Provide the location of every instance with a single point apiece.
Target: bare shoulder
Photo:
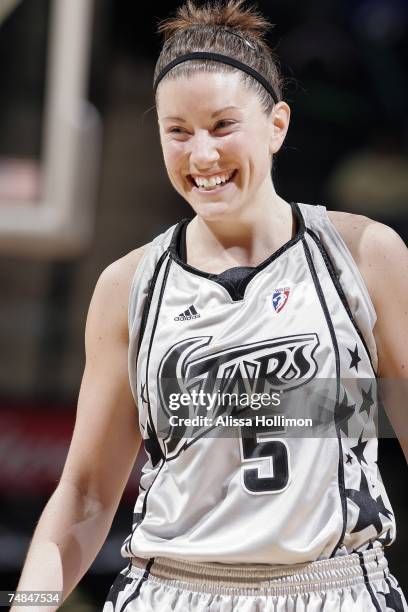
(364, 236)
(119, 274)
(361, 234)
(116, 278)
(377, 249)
(111, 295)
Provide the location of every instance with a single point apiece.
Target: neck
(246, 238)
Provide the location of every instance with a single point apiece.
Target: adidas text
(187, 315)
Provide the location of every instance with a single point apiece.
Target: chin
(213, 211)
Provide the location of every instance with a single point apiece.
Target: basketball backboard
(47, 204)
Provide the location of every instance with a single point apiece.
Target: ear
(280, 118)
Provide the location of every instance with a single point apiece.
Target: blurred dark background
(345, 67)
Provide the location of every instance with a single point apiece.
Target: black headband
(217, 57)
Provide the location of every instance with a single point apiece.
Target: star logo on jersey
(387, 539)
(359, 449)
(393, 599)
(189, 367)
(117, 587)
(343, 413)
(368, 401)
(349, 458)
(369, 508)
(355, 358)
(279, 298)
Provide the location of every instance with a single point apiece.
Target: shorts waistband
(337, 572)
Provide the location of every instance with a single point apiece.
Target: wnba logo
(279, 298)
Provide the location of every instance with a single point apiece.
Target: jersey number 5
(266, 466)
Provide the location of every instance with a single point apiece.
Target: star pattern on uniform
(120, 583)
(359, 449)
(369, 508)
(368, 401)
(349, 458)
(393, 599)
(355, 358)
(387, 539)
(343, 412)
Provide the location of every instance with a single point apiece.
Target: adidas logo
(188, 314)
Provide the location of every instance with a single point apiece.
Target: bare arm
(388, 277)
(382, 258)
(104, 446)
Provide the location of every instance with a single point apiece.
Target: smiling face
(217, 142)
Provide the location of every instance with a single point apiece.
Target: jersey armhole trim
(135, 277)
(354, 268)
(336, 282)
(152, 334)
(146, 307)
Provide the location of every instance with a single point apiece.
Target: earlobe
(280, 118)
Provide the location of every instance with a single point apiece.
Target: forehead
(204, 92)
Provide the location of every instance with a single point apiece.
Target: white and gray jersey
(252, 493)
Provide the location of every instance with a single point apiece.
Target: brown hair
(221, 27)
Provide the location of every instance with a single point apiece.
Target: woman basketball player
(253, 290)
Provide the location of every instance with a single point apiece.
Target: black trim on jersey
(367, 582)
(336, 282)
(143, 512)
(154, 433)
(230, 278)
(143, 579)
(156, 317)
(182, 242)
(329, 322)
(235, 290)
(145, 314)
(146, 307)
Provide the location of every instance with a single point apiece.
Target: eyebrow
(215, 114)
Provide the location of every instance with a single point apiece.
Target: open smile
(211, 184)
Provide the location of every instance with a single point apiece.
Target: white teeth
(202, 181)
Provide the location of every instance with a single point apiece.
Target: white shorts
(360, 582)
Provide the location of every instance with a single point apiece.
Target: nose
(203, 152)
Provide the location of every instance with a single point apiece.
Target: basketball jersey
(255, 495)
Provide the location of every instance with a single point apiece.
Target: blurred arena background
(82, 183)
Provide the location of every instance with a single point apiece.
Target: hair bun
(229, 14)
